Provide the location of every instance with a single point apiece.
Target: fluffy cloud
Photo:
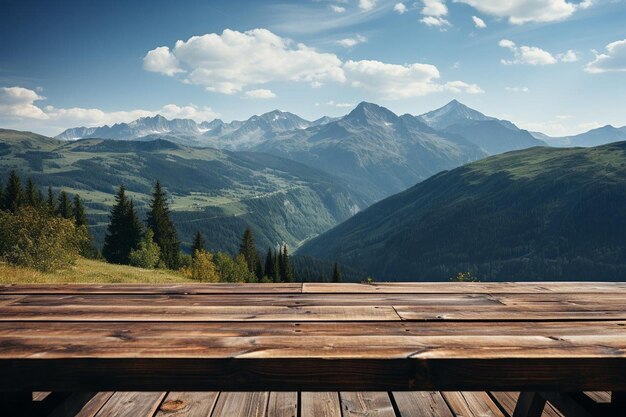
(20, 102)
(527, 55)
(367, 5)
(478, 22)
(337, 9)
(261, 93)
(524, 11)
(434, 21)
(434, 8)
(229, 62)
(17, 107)
(613, 60)
(339, 105)
(394, 81)
(569, 56)
(399, 7)
(350, 42)
(161, 60)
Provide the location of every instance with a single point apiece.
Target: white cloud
(161, 60)
(260, 93)
(17, 107)
(569, 56)
(337, 9)
(367, 5)
(20, 102)
(339, 105)
(478, 22)
(434, 8)
(399, 7)
(613, 60)
(434, 21)
(525, 11)
(229, 62)
(392, 81)
(517, 89)
(350, 42)
(527, 55)
(557, 127)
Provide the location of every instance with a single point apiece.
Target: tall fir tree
(336, 273)
(2, 195)
(277, 265)
(198, 244)
(50, 203)
(247, 249)
(78, 212)
(64, 208)
(258, 268)
(13, 194)
(286, 272)
(124, 231)
(164, 231)
(269, 264)
(31, 196)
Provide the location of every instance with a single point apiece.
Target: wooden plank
(40, 395)
(241, 404)
(282, 404)
(466, 287)
(421, 404)
(508, 401)
(131, 404)
(529, 404)
(599, 396)
(366, 404)
(187, 404)
(199, 288)
(472, 404)
(94, 405)
(320, 404)
(199, 313)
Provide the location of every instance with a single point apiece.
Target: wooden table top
(288, 337)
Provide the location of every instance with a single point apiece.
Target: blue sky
(557, 66)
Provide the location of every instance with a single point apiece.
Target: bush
(147, 255)
(233, 270)
(32, 237)
(203, 268)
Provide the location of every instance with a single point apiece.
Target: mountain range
(594, 137)
(535, 214)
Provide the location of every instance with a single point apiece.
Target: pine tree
(31, 197)
(258, 268)
(336, 273)
(269, 264)
(276, 269)
(65, 206)
(286, 272)
(13, 194)
(247, 249)
(124, 230)
(2, 196)
(198, 244)
(78, 212)
(164, 231)
(50, 204)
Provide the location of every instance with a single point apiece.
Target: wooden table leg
(16, 404)
(529, 404)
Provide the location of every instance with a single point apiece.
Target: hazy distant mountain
(374, 150)
(594, 137)
(539, 214)
(492, 135)
(216, 192)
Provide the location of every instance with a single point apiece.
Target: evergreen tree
(65, 206)
(164, 231)
(31, 196)
(336, 273)
(247, 249)
(269, 264)
(2, 196)
(198, 244)
(258, 269)
(78, 212)
(276, 269)
(286, 271)
(124, 230)
(50, 204)
(13, 194)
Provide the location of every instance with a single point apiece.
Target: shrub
(233, 270)
(147, 255)
(203, 268)
(34, 238)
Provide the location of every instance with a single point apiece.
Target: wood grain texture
(366, 404)
(131, 404)
(422, 404)
(241, 404)
(282, 404)
(320, 404)
(187, 404)
(508, 400)
(467, 287)
(472, 404)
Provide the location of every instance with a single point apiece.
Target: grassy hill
(219, 193)
(535, 214)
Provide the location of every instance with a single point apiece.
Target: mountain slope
(374, 150)
(539, 214)
(216, 192)
(492, 135)
(594, 137)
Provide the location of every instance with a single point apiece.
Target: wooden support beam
(575, 404)
(529, 404)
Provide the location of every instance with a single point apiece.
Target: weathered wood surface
(284, 337)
